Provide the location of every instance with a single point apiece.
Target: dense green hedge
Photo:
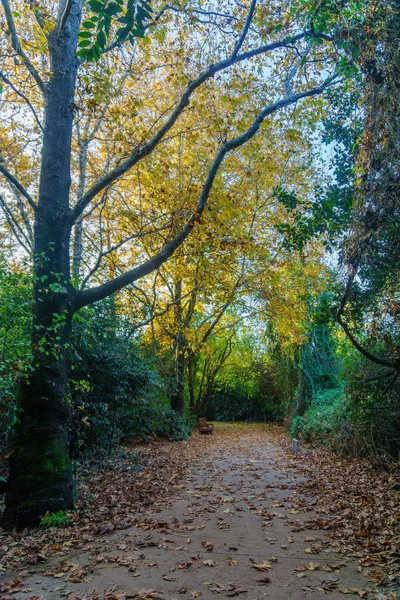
(115, 391)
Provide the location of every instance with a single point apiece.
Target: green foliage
(247, 399)
(151, 418)
(318, 361)
(326, 420)
(114, 387)
(233, 403)
(115, 390)
(327, 213)
(127, 18)
(57, 519)
(244, 389)
(374, 406)
(15, 353)
(338, 398)
(297, 425)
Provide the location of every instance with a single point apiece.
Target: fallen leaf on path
(209, 546)
(328, 585)
(209, 563)
(228, 589)
(360, 593)
(264, 566)
(148, 595)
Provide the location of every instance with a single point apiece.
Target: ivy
(124, 21)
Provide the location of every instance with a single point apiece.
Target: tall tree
(49, 68)
(373, 248)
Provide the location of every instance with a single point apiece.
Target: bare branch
(16, 229)
(163, 311)
(21, 95)
(292, 73)
(38, 16)
(245, 31)
(24, 216)
(17, 184)
(17, 46)
(103, 254)
(212, 326)
(64, 14)
(339, 317)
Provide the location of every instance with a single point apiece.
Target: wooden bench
(203, 426)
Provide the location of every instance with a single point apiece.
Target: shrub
(152, 418)
(58, 519)
(297, 426)
(375, 410)
(115, 390)
(324, 422)
(232, 402)
(15, 329)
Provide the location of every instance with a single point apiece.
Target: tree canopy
(216, 183)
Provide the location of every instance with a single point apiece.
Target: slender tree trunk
(78, 229)
(178, 389)
(191, 380)
(77, 259)
(204, 404)
(40, 468)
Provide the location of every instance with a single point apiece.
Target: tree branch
(17, 184)
(21, 95)
(24, 216)
(103, 254)
(146, 149)
(245, 30)
(17, 46)
(88, 296)
(339, 317)
(64, 15)
(17, 231)
(211, 327)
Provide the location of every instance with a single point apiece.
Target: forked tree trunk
(40, 468)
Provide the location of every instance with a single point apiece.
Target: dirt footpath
(233, 530)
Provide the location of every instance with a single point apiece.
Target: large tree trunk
(40, 468)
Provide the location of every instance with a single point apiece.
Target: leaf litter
(357, 511)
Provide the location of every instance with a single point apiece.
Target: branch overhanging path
(91, 295)
(87, 296)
